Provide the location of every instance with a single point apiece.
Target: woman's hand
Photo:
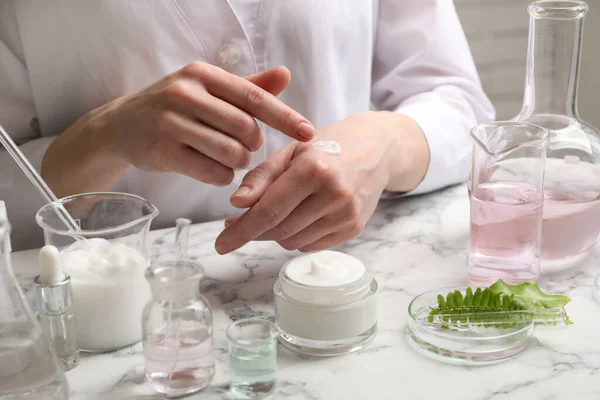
(307, 200)
(198, 121)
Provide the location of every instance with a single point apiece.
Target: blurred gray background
(497, 31)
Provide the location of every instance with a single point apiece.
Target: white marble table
(413, 245)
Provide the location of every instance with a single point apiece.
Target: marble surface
(413, 245)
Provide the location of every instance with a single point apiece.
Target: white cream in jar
(325, 304)
(109, 293)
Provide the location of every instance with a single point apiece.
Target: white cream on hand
(325, 269)
(328, 147)
(51, 273)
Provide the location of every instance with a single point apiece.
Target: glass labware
(178, 332)
(106, 260)
(506, 191)
(29, 369)
(252, 358)
(571, 218)
(116, 217)
(476, 338)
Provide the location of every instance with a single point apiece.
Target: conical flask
(571, 216)
(29, 370)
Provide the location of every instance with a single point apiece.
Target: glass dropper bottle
(571, 222)
(177, 324)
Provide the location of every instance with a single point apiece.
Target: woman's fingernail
(242, 190)
(222, 247)
(306, 130)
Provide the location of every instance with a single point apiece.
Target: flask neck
(175, 281)
(555, 41)
(178, 293)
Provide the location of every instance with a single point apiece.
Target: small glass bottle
(177, 328)
(53, 299)
(571, 215)
(252, 358)
(29, 368)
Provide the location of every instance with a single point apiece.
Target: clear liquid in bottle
(29, 369)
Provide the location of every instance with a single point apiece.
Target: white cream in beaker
(109, 293)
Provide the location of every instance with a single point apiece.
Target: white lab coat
(60, 59)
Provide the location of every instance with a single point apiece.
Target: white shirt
(60, 59)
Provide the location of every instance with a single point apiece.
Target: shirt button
(229, 54)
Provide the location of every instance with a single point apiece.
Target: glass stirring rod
(47, 193)
(181, 237)
(182, 226)
(36, 180)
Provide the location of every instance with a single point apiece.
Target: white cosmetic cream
(328, 147)
(109, 293)
(325, 304)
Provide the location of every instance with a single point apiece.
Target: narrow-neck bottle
(179, 356)
(571, 222)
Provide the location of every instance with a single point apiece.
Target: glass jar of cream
(325, 304)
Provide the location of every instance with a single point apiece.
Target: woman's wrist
(407, 158)
(82, 159)
(387, 146)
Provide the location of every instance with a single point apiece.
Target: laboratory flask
(29, 369)
(178, 329)
(571, 218)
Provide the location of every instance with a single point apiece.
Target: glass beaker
(106, 260)
(571, 221)
(28, 368)
(506, 192)
(252, 358)
(178, 335)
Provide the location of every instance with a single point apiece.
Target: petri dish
(470, 345)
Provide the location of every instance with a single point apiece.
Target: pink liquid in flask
(571, 209)
(506, 225)
(179, 365)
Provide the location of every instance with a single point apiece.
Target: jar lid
(326, 277)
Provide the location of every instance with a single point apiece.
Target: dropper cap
(53, 292)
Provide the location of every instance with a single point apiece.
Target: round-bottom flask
(571, 216)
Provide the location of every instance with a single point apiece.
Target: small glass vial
(177, 328)
(252, 358)
(53, 299)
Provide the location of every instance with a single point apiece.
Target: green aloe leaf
(500, 297)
